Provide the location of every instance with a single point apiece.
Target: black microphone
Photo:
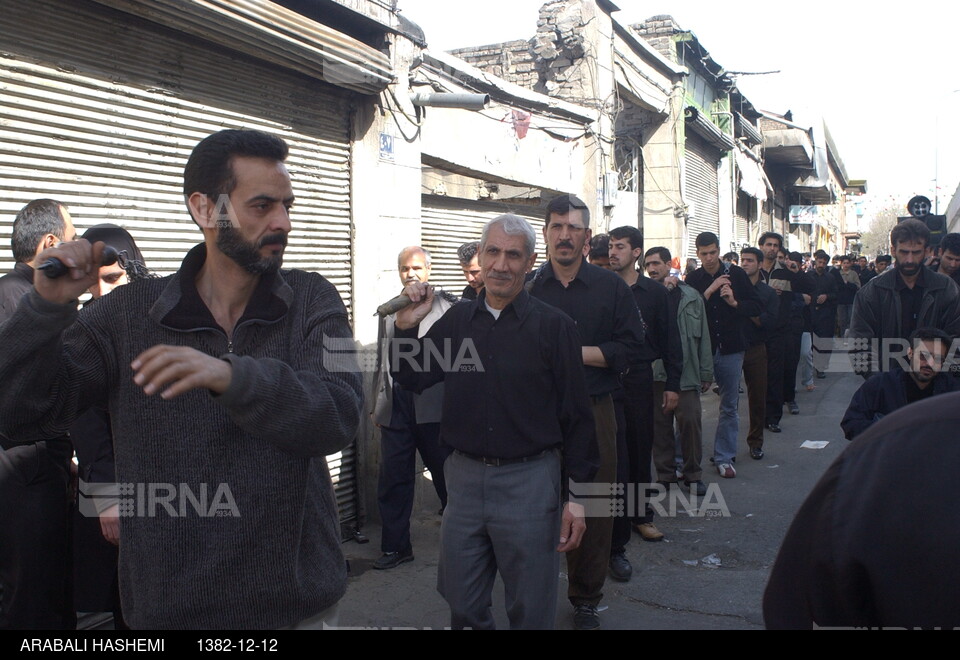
(54, 268)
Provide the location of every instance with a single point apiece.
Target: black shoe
(774, 428)
(794, 408)
(756, 453)
(697, 488)
(821, 375)
(390, 560)
(585, 617)
(620, 568)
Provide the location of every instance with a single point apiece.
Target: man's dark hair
(930, 334)
(209, 170)
(820, 254)
(768, 235)
(706, 239)
(34, 221)
(884, 258)
(757, 254)
(908, 231)
(599, 246)
(467, 251)
(632, 234)
(796, 257)
(951, 243)
(662, 252)
(731, 256)
(846, 257)
(563, 204)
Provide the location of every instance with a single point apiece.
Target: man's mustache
(274, 239)
(565, 244)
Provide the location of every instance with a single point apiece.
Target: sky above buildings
(883, 75)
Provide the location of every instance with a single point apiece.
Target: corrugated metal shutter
(100, 110)
(701, 161)
(448, 223)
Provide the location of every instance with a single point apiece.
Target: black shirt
(824, 285)
(469, 293)
(792, 285)
(910, 302)
(913, 391)
(602, 306)
(726, 322)
(527, 394)
(662, 333)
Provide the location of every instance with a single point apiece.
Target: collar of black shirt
(921, 280)
(587, 273)
(520, 305)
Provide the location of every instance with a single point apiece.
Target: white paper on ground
(814, 444)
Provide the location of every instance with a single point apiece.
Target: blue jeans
(726, 371)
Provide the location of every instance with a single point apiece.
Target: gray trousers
(504, 519)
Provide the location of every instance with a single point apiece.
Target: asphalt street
(710, 571)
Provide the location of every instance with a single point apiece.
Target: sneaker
(726, 471)
(774, 428)
(585, 617)
(794, 408)
(821, 375)
(697, 488)
(390, 560)
(756, 453)
(620, 568)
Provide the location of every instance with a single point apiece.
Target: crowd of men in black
(623, 362)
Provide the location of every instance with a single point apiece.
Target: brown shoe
(648, 532)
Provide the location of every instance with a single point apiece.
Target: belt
(500, 462)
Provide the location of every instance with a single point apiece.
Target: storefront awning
(273, 33)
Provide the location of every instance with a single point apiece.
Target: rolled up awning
(706, 129)
(273, 33)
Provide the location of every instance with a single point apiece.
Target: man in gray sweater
(222, 404)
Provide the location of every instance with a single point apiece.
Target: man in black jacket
(35, 580)
(885, 392)
(892, 305)
(873, 544)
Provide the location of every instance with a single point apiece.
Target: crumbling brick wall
(658, 31)
(512, 60)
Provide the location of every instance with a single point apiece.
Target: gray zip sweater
(231, 520)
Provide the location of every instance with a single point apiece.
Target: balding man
(34, 478)
(408, 423)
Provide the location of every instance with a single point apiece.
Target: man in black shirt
(781, 343)
(515, 410)
(470, 264)
(755, 358)
(662, 341)
(950, 257)
(825, 295)
(611, 334)
(731, 302)
(885, 392)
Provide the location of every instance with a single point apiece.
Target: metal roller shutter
(100, 110)
(701, 180)
(448, 223)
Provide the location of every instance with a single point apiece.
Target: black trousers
(776, 357)
(634, 466)
(791, 362)
(36, 568)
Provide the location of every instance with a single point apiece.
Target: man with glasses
(885, 392)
